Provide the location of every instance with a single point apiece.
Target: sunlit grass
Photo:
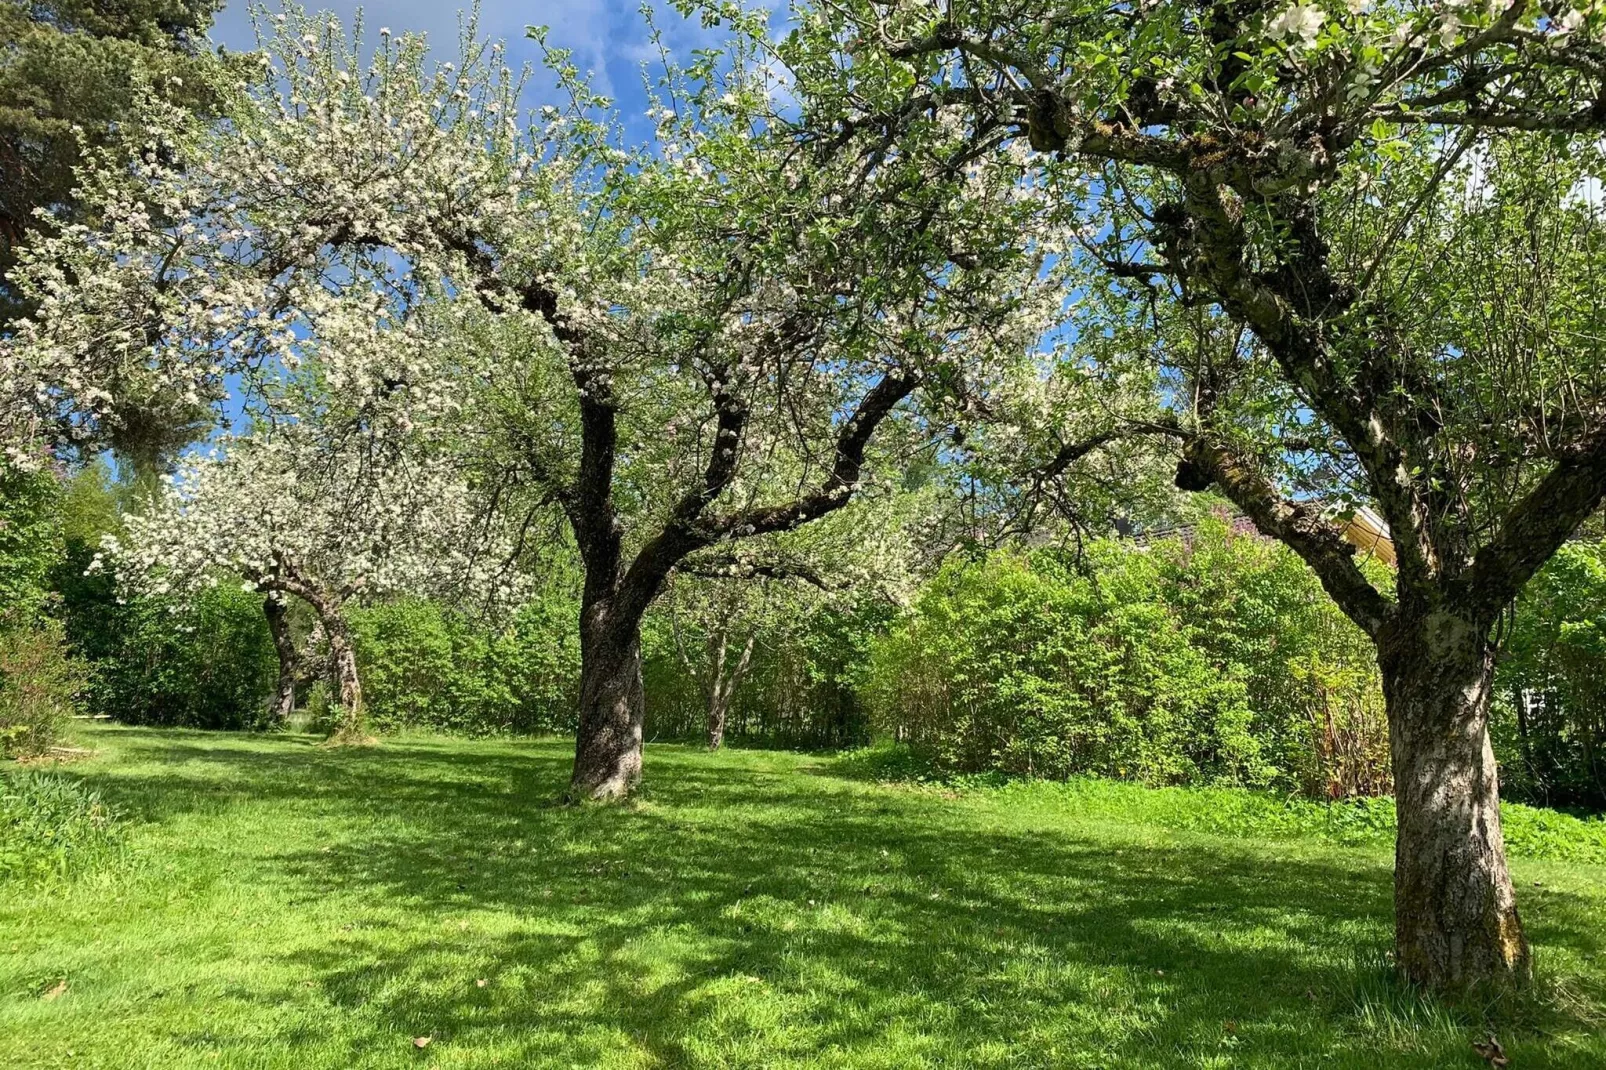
(278, 904)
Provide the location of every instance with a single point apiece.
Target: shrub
(39, 687)
(30, 536)
(1023, 666)
(1215, 656)
(425, 666)
(51, 825)
(1549, 719)
(208, 663)
(1258, 613)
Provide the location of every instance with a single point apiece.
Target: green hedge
(1211, 659)
(425, 666)
(1019, 665)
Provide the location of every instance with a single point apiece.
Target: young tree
(1297, 168)
(678, 347)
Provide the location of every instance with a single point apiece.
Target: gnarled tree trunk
(1456, 920)
(607, 750)
(284, 692)
(329, 608)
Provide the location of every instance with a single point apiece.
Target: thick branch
(835, 492)
(1297, 525)
(1533, 530)
(679, 538)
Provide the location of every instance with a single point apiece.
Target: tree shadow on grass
(742, 915)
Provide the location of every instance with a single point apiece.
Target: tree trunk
(724, 688)
(718, 711)
(1455, 913)
(345, 682)
(607, 748)
(284, 693)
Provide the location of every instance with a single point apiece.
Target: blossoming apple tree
(710, 339)
(325, 522)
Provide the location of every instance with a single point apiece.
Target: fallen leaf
(1492, 1052)
(481, 983)
(422, 1042)
(59, 988)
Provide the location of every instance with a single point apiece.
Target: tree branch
(1298, 525)
(1533, 530)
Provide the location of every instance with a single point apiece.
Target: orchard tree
(1396, 204)
(74, 81)
(74, 71)
(706, 340)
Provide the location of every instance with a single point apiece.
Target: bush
(1022, 666)
(30, 537)
(1258, 613)
(39, 688)
(425, 666)
(51, 825)
(208, 663)
(1215, 657)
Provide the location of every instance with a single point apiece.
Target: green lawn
(283, 905)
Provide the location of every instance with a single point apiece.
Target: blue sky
(608, 37)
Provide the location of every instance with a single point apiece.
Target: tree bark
(347, 684)
(718, 713)
(284, 693)
(607, 750)
(723, 689)
(1456, 922)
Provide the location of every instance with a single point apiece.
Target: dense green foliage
(425, 666)
(1550, 711)
(281, 905)
(53, 826)
(804, 688)
(1214, 658)
(39, 679)
(206, 663)
(1258, 614)
(30, 539)
(1024, 666)
(40, 684)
